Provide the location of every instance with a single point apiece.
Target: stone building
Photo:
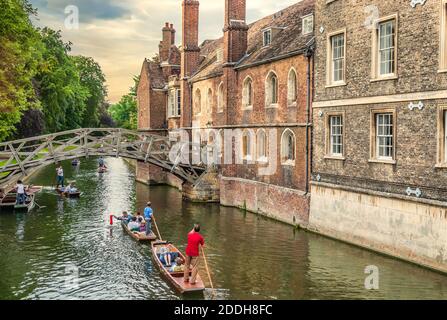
(379, 175)
(248, 96)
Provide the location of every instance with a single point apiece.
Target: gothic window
(292, 87)
(261, 142)
(271, 90)
(220, 98)
(288, 147)
(209, 101)
(247, 94)
(197, 103)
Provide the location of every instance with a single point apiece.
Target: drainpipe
(309, 55)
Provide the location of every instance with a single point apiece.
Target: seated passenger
(126, 218)
(71, 189)
(178, 265)
(142, 225)
(133, 225)
(164, 255)
(140, 216)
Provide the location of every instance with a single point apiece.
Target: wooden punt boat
(69, 195)
(9, 203)
(139, 236)
(175, 278)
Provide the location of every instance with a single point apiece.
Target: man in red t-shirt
(195, 240)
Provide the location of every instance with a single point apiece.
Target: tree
(92, 79)
(125, 112)
(62, 96)
(20, 57)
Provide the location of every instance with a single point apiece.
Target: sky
(120, 34)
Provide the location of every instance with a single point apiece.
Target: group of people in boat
(139, 222)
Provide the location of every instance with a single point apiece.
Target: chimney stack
(168, 40)
(235, 31)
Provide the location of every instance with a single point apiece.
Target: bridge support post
(207, 189)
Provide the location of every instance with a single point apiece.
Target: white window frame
(309, 19)
(376, 74)
(387, 132)
(330, 79)
(267, 37)
(247, 95)
(261, 145)
(445, 135)
(271, 91)
(248, 149)
(220, 98)
(178, 99)
(198, 104)
(336, 132)
(443, 38)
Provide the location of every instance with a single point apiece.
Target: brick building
(379, 113)
(253, 84)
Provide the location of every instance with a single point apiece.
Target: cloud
(120, 34)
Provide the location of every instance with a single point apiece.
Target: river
(68, 250)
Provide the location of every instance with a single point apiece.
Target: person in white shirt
(134, 226)
(60, 177)
(21, 195)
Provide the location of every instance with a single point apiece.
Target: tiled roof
(155, 75)
(288, 40)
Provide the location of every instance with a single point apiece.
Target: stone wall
(287, 205)
(402, 228)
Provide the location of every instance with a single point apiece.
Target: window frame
(374, 146)
(375, 65)
(220, 98)
(269, 92)
(209, 101)
(264, 33)
(330, 81)
(303, 19)
(174, 103)
(328, 135)
(246, 105)
(247, 145)
(441, 161)
(261, 157)
(292, 102)
(443, 38)
(285, 161)
(197, 101)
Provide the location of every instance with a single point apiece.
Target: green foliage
(125, 112)
(39, 79)
(20, 57)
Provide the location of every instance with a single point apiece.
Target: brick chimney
(168, 40)
(235, 30)
(190, 56)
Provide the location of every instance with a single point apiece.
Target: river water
(68, 250)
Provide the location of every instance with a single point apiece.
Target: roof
(288, 40)
(155, 75)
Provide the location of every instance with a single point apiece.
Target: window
(337, 58)
(386, 47)
(292, 88)
(247, 94)
(209, 101)
(308, 24)
(267, 36)
(443, 45)
(179, 102)
(384, 64)
(336, 135)
(174, 103)
(442, 137)
(383, 135)
(219, 55)
(261, 141)
(220, 99)
(271, 92)
(288, 148)
(197, 103)
(247, 145)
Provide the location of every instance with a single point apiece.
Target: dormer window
(267, 37)
(219, 55)
(308, 24)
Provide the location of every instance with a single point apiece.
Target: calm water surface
(68, 250)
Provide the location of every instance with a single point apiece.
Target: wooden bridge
(20, 158)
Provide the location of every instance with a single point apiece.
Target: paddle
(156, 227)
(208, 272)
(40, 207)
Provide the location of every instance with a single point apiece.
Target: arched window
(197, 102)
(247, 145)
(271, 89)
(288, 147)
(261, 143)
(212, 151)
(209, 101)
(247, 94)
(220, 98)
(292, 87)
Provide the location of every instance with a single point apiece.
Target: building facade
(247, 95)
(379, 143)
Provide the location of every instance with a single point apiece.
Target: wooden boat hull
(176, 279)
(140, 237)
(8, 204)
